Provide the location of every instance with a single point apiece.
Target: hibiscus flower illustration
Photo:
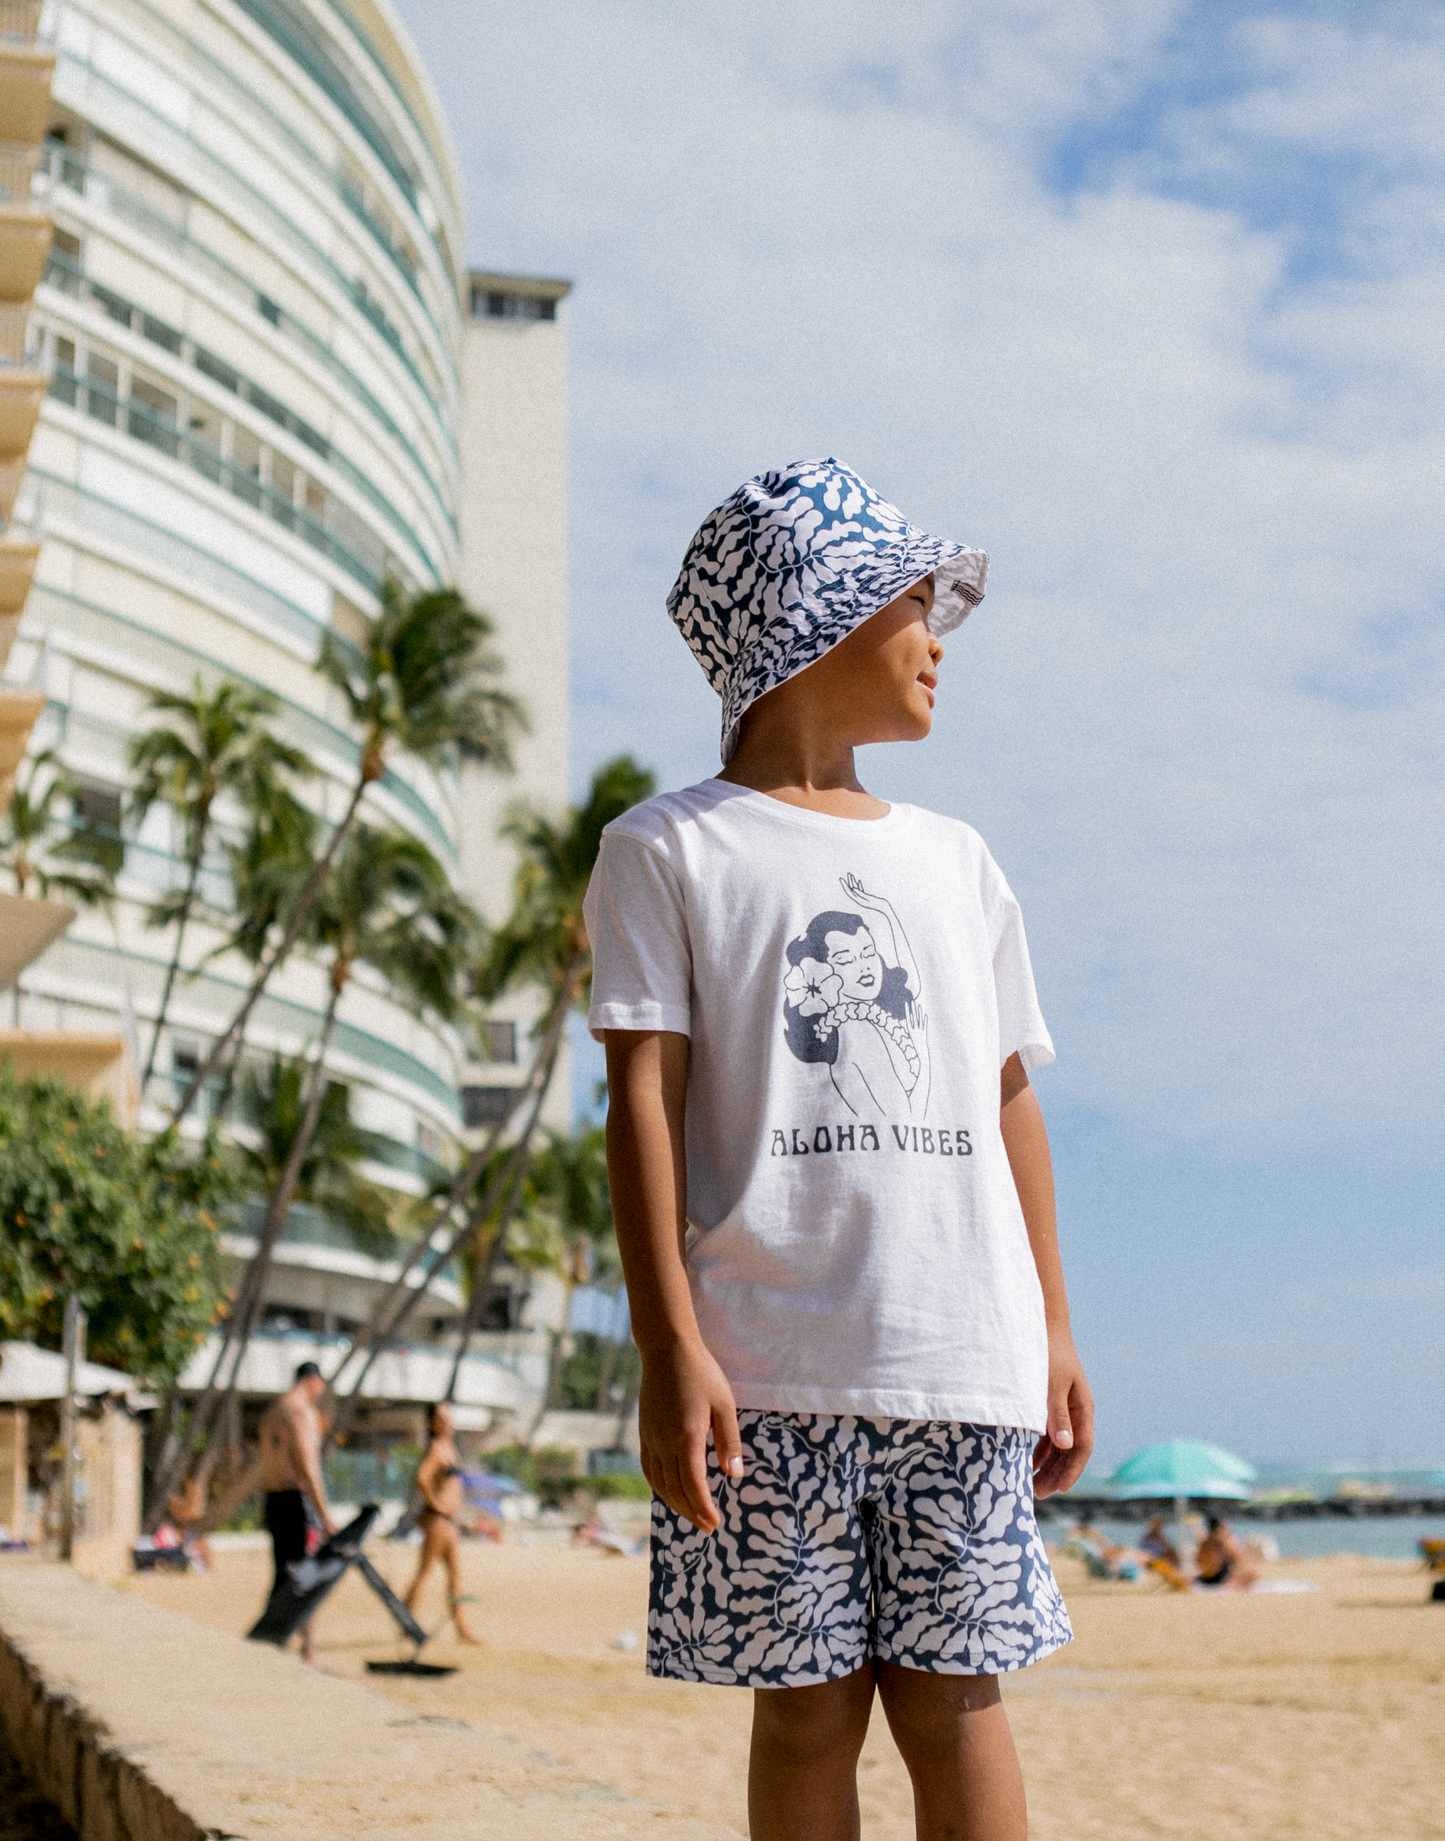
(813, 987)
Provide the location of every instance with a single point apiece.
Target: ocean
(1382, 1537)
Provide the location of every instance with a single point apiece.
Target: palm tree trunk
(604, 1372)
(280, 1206)
(471, 1174)
(625, 1411)
(543, 1069)
(516, 1168)
(269, 963)
(192, 883)
(554, 1366)
(247, 1306)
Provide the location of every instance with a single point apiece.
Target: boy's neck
(797, 769)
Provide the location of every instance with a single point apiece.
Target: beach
(1197, 1718)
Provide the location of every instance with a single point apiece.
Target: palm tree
(269, 866)
(44, 827)
(542, 943)
(422, 683)
(569, 1222)
(386, 902)
(219, 744)
(273, 1103)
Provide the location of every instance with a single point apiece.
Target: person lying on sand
(1102, 1559)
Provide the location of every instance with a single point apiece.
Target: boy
(832, 1188)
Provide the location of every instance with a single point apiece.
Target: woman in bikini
(439, 1478)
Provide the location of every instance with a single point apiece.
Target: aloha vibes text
(924, 1139)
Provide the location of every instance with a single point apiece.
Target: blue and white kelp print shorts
(906, 1540)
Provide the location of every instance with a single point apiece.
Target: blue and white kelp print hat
(790, 564)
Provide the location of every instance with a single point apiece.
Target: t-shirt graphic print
(856, 1008)
(850, 989)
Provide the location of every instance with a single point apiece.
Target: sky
(1144, 298)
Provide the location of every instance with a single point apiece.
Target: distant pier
(1323, 1508)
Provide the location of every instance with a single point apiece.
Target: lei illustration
(815, 989)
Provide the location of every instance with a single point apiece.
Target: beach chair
(1169, 1573)
(309, 1582)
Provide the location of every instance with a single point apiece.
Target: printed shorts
(907, 1540)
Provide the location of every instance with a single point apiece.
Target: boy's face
(881, 679)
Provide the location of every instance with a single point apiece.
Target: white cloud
(1192, 411)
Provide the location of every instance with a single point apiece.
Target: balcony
(24, 245)
(25, 92)
(21, 394)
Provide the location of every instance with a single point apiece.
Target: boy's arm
(684, 1391)
(1064, 1450)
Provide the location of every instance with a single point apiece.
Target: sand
(1201, 1718)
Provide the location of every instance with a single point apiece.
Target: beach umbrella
(1181, 1468)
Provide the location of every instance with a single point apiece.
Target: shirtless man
(291, 1476)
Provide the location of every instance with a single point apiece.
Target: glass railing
(62, 166)
(102, 404)
(309, 732)
(186, 559)
(64, 273)
(232, 182)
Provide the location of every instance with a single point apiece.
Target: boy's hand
(1063, 1451)
(684, 1395)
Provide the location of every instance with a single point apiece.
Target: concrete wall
(110, 1452)
(140, 1725)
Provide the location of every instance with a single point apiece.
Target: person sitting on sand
(1219, 1560)
(1155, 1544)
(439, 1479)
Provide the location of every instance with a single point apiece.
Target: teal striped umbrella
(1182, 1467)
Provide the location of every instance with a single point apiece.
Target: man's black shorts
(289, 1516)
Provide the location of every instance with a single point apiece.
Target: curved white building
(254, 314)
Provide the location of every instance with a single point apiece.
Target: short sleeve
(1021, 1027)
(637, 926)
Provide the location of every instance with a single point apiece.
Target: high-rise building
(273, 384)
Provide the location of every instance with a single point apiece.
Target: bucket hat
(790, 564)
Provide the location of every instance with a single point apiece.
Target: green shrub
(549, 1472)
(619, 1488)
(130, 1225)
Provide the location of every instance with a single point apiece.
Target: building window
(487, 1105)
(152, 416)
(499, 1043)
(495, 304)
(113, 305)
(160, 334)
(103, 394)
(217, 369)
(96, 803)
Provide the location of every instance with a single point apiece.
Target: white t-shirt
(851, 989)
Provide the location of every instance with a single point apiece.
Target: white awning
(31, 1373)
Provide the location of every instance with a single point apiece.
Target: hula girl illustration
(855, 1007)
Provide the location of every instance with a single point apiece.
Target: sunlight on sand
(1320, 1715)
